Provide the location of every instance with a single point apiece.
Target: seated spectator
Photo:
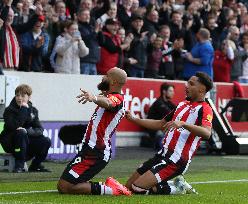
(69, 47)
(23, 134)
(161, 107)
(222, 64)
(111, 47)
(34, 47)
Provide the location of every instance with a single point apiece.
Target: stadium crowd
(169, 39)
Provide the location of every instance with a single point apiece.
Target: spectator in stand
(69, 48)
(24, 12)
(89, 36)
(9, 45)
(10, 49)
(60, 10)
(34, 45)
(154, 58)
(240, 55)
(161, 107)
(222, 64)
(97, 11)
(215, 31)
(200, 58)
(244, 47)
(111, 47)
(166, 68)
(23, 134)
(124, 13)
(111, 13)
(151, 23)
(138, 47)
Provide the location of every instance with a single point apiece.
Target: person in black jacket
(23, 134)
(161, 107)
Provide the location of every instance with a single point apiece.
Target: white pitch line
(198, 182)
(27, 192)
(225, 181)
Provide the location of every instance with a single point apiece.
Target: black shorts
(163, 168)
(85, 165)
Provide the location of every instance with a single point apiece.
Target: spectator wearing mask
(34, 47)
(69, 47)
(200, 58)
(89, 36)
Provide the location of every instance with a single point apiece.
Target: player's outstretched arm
(146, 123)
(201, 131)
(100, 100)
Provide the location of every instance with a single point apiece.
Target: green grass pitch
(202, 169)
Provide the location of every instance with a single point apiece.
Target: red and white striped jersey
(180, 144)
(103, 124)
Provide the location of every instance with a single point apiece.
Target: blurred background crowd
(169, 39)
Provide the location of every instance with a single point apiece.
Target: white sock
(105, 190)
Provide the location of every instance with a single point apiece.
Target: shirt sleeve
(116, 101)
(206, 116)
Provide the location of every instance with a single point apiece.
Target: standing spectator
(111, 13)
(161, 107)
(151, 22)
(34, 47)
(244, 47)
(240, 55)
(154, 58)
(167, 65)
(124, 13)
(89, 36)
(24, 12)
(111, 47)
(200, 58)
(23, 134)
(138, 47)
(215, 31)
(222, 64)
(9, 46)
(69, 48)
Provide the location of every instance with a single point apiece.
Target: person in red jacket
(222, 64)
(111, 47)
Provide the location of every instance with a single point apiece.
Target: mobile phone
(76, 34)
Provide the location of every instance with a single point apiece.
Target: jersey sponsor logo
(209, 118)
(114, 99)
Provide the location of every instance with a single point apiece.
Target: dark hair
(204, 79)
(165, 87)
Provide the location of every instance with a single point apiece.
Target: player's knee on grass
(63, 187)
(138, 190)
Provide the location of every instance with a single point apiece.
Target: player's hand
(129, 116)
(173, 125)
(85, 97)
